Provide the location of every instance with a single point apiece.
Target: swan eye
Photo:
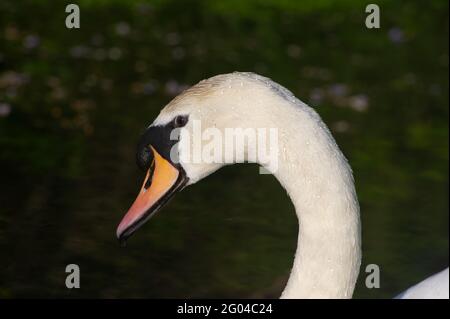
(180, 120)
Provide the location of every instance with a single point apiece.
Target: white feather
(434, 287)
(311, 168)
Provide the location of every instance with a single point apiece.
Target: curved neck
(328, 254)
(319, 182)
(310, 167)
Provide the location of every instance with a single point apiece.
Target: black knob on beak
(160, 138)
(144, 153)
(144, 157)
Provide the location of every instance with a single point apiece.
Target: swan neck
(320, 184)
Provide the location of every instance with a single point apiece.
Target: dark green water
(73, 103)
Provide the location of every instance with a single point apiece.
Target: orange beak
(160, 184)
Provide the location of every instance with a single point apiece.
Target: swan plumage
(434, 287)
(311, 168)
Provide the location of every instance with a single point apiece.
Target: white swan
(311, 168)
(434, 287)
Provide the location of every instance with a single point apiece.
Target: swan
(434, 287)
(310, 166)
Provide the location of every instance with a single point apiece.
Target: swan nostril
(144, 158)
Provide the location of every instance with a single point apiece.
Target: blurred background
(73, 103)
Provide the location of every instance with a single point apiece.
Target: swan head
(171, 150)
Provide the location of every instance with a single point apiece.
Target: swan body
(311, 168)
(434, 287)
